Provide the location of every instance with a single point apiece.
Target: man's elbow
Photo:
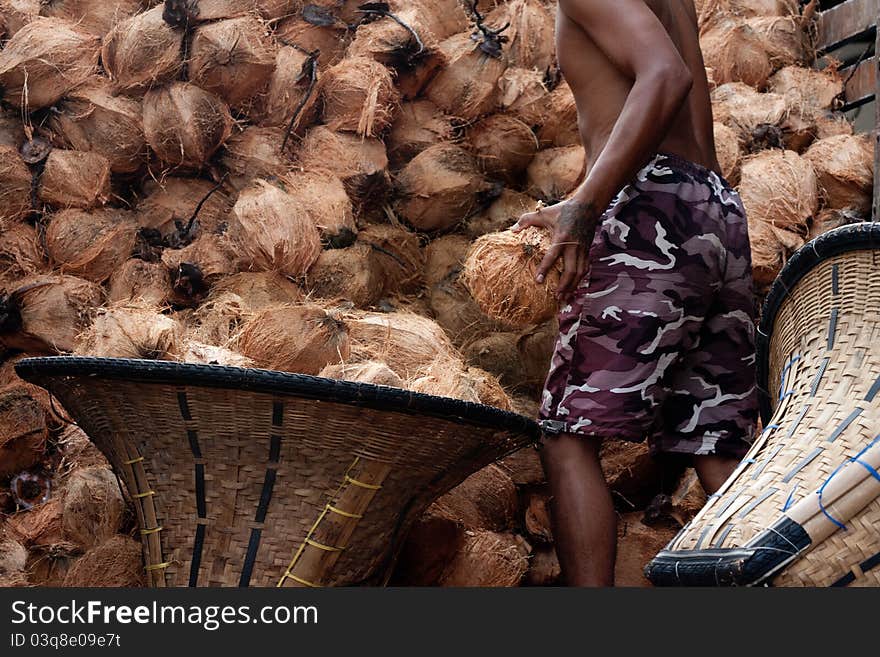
(676, 81)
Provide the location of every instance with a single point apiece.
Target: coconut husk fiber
(93, 16)
(361, 163)
(535, 346)
(830, 219)
(322, 195)
(116, 563)
(20, 252)
(53, 310)
(75, 179)
(442, 17)
(559, 126)
(90, 118)
(554, 172)
(537, 518)
(501, 214)
(11, 130)
(170, 201)
(844, 167)
(184, 124)
(23, 431)
(13, 561)
(194, 268)
(254, 153)
(808, 95)
(779, 188)
(544, 568)
(15, 14)
(359, 96)
(406, 342)
(218, 320)
(468, 86)
(740, 107)
(232, 58)
(289, 91)
(728, 151)
(398, 256)
(132, 332)
(485, 500)
(504, 146)
(272, 233)
(44, 60)
(40, 528)
(211, 10)
(708, 9)
(206, 354)
(316, 31)
(418, 125)
(142, 52)
(439, 188)
(352, 274)
(488, 559)
(302, 339)
(372, 372)
(530, 33)
(258, 289)
(768, 253)
(94, 509)
(77, 452)
(490, 390)
(736, 52)
(444, 258)
(445, 377)
(500, 274)
(785, 39)
(523, 93)
(91, 245)
(830, 124)
(430, 545)
(145, 283)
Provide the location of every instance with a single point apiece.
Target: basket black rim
(853, 237)
(380, 398)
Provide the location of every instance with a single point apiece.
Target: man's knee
(568, 451)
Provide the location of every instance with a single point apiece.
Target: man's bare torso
(600, 90)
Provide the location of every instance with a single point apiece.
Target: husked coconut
(92, 16)
(736, 52)
(145, 283)
(808, 95)
(500, 274)
(142, 52)
(439, 188)
(442, 17)
(504, 146)
(485, 500)
(184, 124)
(11, 130)
(728, 151)
(94, 509)
(15, 185)
(523, 93)
(258, 289)
(488, 559)
(369, 372)
(535, 346)
(194, 268)
(91, 245)
(210, 10)
(398, 257)
(15, 14)
(44, 60)
(445, 377)
(233, 58)
(218, 320)
(254, 153)
(272, 233)
(785, 39)
(206, 354)
(502, 214)
(171, 202)
(830, 219)
(444, 258)
(554, 172)
(116, 563)
(707, 9)
(132, 332)
(350, 273)
(291, 92)
(47, 313)
(530, 35)
(20, 252)
(497, 353)
(322, 196)
(23, 431)
(13, 563)
(740, 107)
(468, 86)
(315, 29)
(359, 96)
(844, 167)
(560, 125)
(830, 124)
(302, 339)
(75, 179)
(489, 389)
(418, 125)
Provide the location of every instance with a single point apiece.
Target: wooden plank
(845, 21)
(875, 210)
(863, 83)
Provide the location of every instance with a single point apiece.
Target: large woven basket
(803, 507)
(248, 477)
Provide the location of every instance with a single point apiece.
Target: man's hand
(573, 224)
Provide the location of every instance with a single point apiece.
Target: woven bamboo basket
(248, 477)
(803, 507)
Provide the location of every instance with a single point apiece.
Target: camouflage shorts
(657, 341)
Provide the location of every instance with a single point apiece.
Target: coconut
(117, 563)
(535, 346)
(445, 377)
(442, 17)
(210, 10)
(46, 313)
(502, 214)
(44, 60)
(830, 124)
(205, 354)
(530, 35)
(360, 163)
(75, 179)
(93, 16)
(11, 130)
(830, 219)
(736, 53)
(784, 38)
(90, 244)
(254, 153)
(554, 172)
(170, 202)
(272, 232)
(468, 86)
(322, 195)
(132, 332)
(315, 31)
(258, 289)
(488, 559)
(232, 58)
(485, 500)
(20, 252)
(291, 92)
(15, 14)
(417, 126)
(500, 274)
(184, 125)
(219, 319)
(13, 561)
(15, 185)
(497, 353)
(398, 257)
(351, 273)
(93, 509)
(439, 188)
(404, 341)
(728, 151)
(523, 93)
(560, 125)
(303, 339)
(359, 96)
(808, 95)
(745, 8)
(844, 166)
(90, 118)
(504, 146)
(143, 282)
(740, 107)
(489, 389)
(194, 268)
(142, 52)
(369, 372)
(23, 431)
(445, 258)
(78, 452)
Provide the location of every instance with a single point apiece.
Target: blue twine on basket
(783, 376)
(790, 499)
(854, 459)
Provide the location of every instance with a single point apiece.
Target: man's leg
(584, 523)
(714, 470)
